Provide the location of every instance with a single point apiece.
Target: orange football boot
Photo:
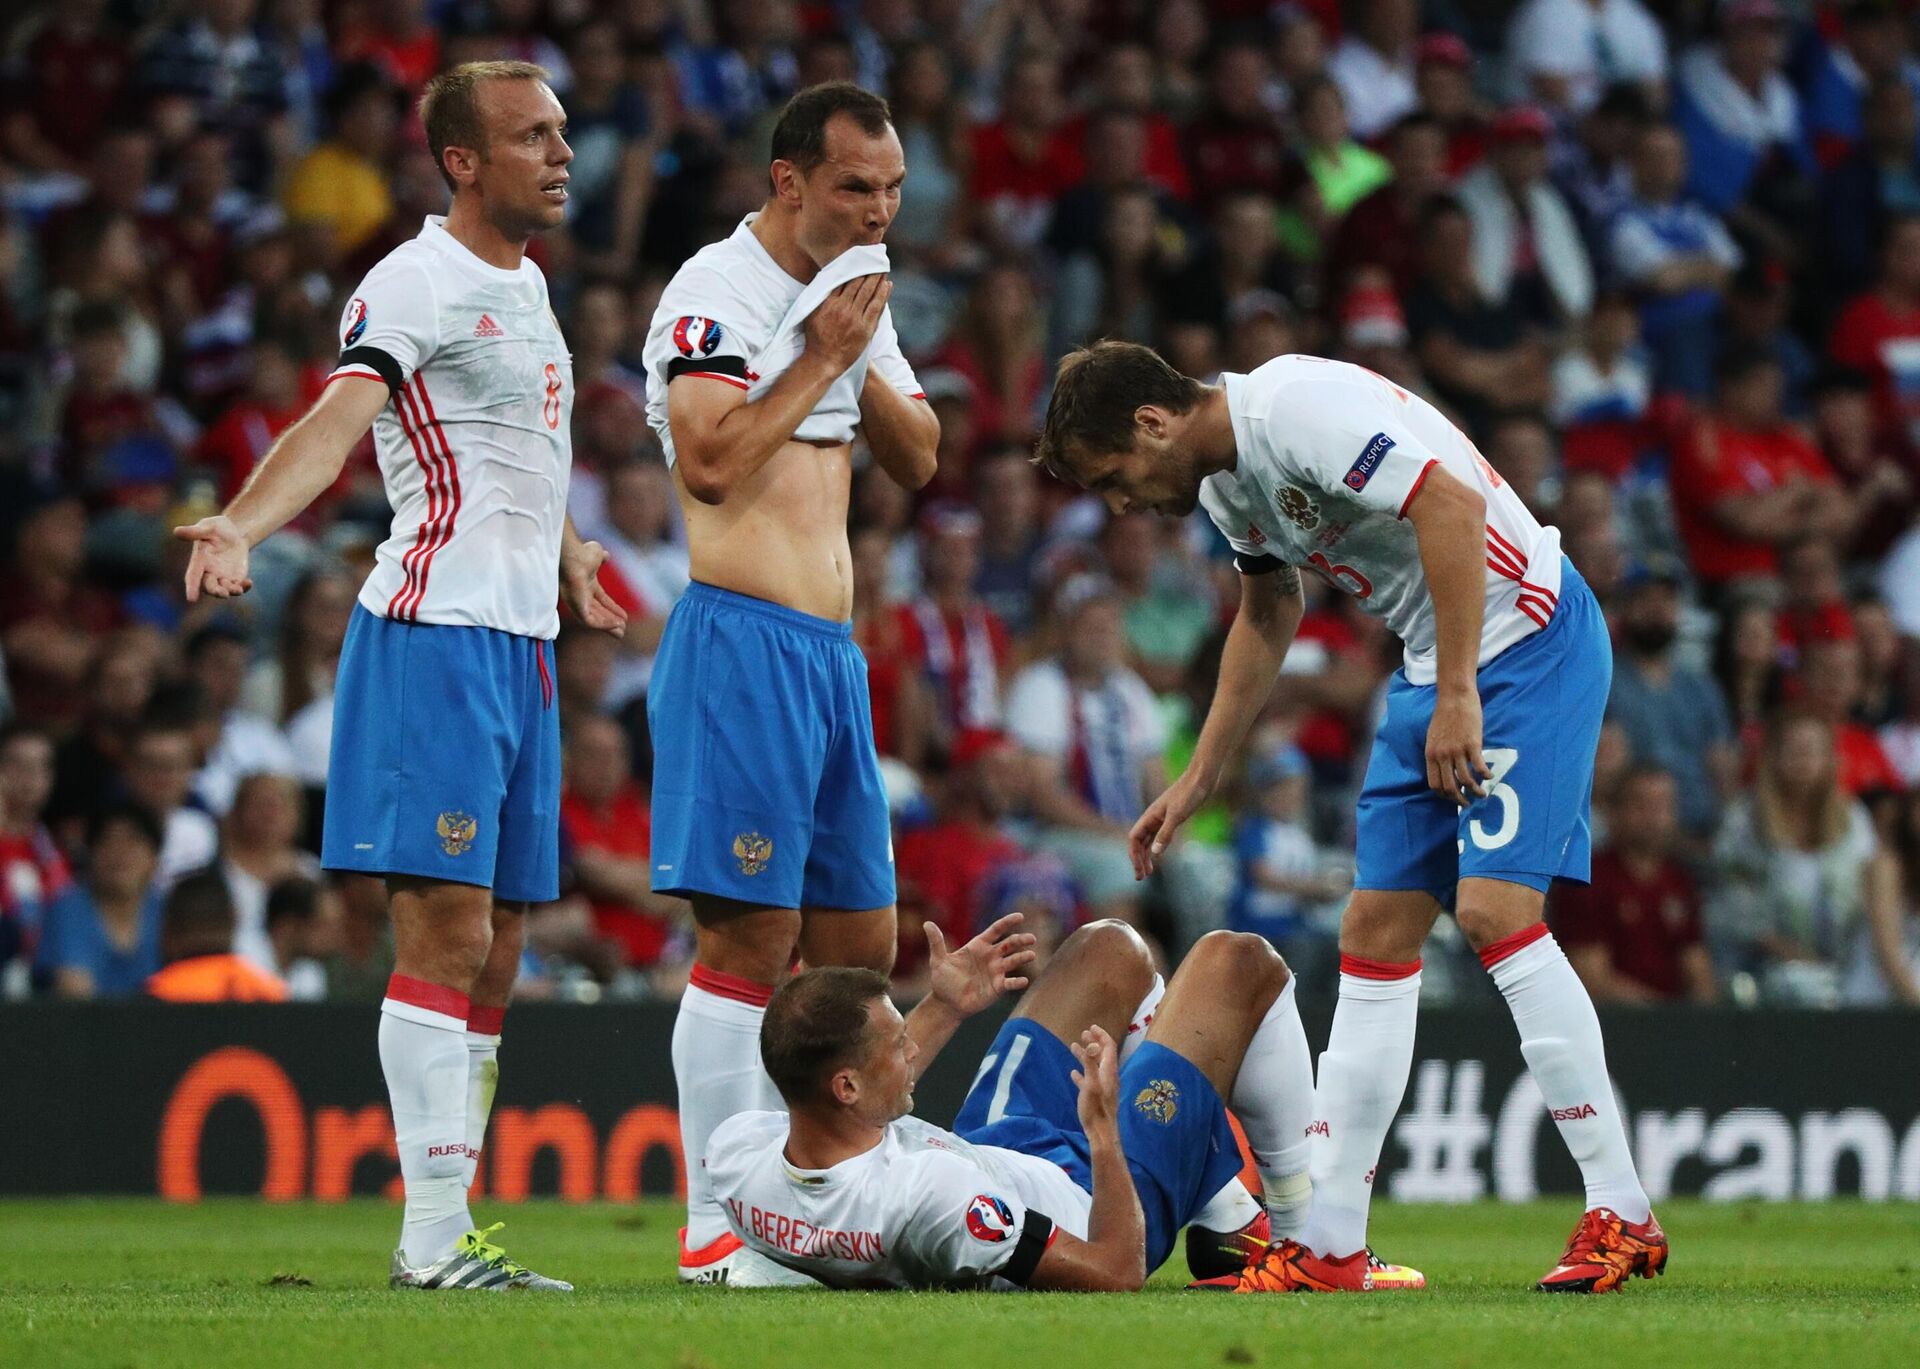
(1289, 1267)
(1605, 1251)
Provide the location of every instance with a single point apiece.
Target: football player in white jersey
(1074, 1162)
(768, 349)
(1476, 792)
(445, 771)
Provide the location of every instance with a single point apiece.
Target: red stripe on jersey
(1495, 952)
(546, 680)
(922, 394)
(354, 375)
(1541, 590)
(1418, 481)
(1501, 567)
(438, 436)
(438, 505)
(1361, 968)
(402, 409)
(433, 997)
(1534, 609)
(715, 375)
(1506, 545)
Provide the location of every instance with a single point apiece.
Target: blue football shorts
(1179, 1144)
(1542, 701)
(766, 783)
(446, 758)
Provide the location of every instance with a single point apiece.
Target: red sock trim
(1361, 968)
(1498, 951)
(433, 997)
(730, 986)
(484, 1019)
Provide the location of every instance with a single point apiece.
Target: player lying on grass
(1054, 1177)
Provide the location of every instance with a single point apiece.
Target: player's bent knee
(1113, 945)
(1241, 958)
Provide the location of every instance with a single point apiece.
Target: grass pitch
(136, 1283)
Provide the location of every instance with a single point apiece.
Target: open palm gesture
(972, 977)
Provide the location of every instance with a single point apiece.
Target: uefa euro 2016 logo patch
(456, 830)
(696, 337)
(1364, 465)
(356, 322)
(1159, 1100)
(989, 1219)
(753, 851)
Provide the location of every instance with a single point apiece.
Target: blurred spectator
(1740, 116)
(259, 852)
(1381, 229)
(1007, 493)
(1759, 304)
(1633, 932)
(1747, 665)
(274, 398)
(1677, 258)
(1167, 606)
(1594, 167)
(88, 762)
(1883, 471)
(1601, 389)
(1284, 880)
(1799, 877)
(1590, 532)
(1879, 332)
(998, 346)
(1886, 968)
(1875, 181)
(1097, 739)
(104, 409)
(1674, 718)
(1125, 83)
(1568, 51)
(1114, 149)
(1125, 282)
(1869, 53)
(949, 635)
(1526, 241)
(198, 964)
(1236, 143)
(65, 78)
(33, 873)
(340, 189)
(400, 39)
(301, 918)
(160, 767)
(899, 695)
(1443, 78)
(102, 936)
(609, 833)
(188, 242)
(1831, 689)
(211, 67)
(1333, 171)
(1519, 445)
(51, 619)
(1022, 162)
(1247, 265)
(646, 569)
(1374, 64)
(1746, 482)
(216, 658)
(933, 137)
(614, 147)
(313, 627)
(1479, 354)
(948, 863)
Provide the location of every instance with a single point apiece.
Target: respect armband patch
(1365, 464)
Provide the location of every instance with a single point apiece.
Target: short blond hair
(450, 108)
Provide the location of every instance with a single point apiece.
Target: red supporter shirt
(948, 863)
(887, 664)
(1233, 155)
(1716, 461)
(1863, 764)
(622, 828)
(1018, 192)
(33, 874)
(965, 669)
(1883, 341)
(1644, 923)
(1378, 231)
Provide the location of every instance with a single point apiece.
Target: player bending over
(1053, 1177)
(768, 349)
(1308, 462)
(445, 769)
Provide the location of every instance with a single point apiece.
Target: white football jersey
(475, 448)
(725, 315)
(923, 1209)
(1330, 455)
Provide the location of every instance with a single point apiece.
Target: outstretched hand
(1098, 1079)
(218, 565)
(971, 978)
(580, 587)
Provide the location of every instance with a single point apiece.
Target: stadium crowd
(1661, 262)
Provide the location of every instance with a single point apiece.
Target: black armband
(375, 359)
(712, 366)
(1257, 565)
(1036, 1233)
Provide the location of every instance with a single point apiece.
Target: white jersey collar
(434, 230)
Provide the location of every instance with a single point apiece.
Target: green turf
(128, 1283)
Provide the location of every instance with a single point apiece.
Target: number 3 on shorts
(1500, 760)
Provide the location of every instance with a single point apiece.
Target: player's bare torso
(781, 535)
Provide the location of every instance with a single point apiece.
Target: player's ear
(461, 163)
(845, 1088)
(1151, 420)
(786, 181)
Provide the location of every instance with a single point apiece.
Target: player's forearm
(1250, 661)
(931, 1025)
(747, 436)
(1450, 522)
(300, 466)
(903, 433)
(1116, 1228)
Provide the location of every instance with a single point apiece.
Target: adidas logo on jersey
(488, 328)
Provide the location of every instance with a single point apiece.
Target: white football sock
(1560, 1037)
(717, 1070)
(423, 1054)
(1136, 1036)
(483, 1079)
(1273, 1098)
(1363, 1076)
(1228, 1210)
